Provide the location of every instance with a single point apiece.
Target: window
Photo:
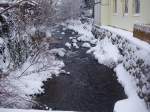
(126, 7)
(115, 6)
(136, 6)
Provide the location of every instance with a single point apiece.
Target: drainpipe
(97, 12)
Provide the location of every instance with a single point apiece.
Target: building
(122, 13)
(97, 12)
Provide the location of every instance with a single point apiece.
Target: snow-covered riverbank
(20, 86)
(108, 52)
(114, 50)
(129, 57)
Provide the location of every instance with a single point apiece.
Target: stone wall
(135, 60)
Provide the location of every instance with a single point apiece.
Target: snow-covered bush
(135, 59)
(106, 53)
(25, 31)
(20, 26)
(25, 61)
(20, 86)
(29, 22)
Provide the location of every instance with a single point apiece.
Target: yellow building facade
(123, 13)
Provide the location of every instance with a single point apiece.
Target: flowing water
(90, 86)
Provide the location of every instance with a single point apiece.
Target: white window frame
(115, 7)
(137, 7)
(126, 5)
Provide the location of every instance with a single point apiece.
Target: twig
(32, 63)
(15, 5)
(25, 71)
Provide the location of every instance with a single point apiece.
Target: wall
(124, 21)
(105, 12)
(97, 13)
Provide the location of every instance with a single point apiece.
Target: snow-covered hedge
(134, 58)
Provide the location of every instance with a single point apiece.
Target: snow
(74, 41)
(133, 103)
(48, 33)
(31, 30)
(84, 38)
(67, 44)
(23, 110)
(72, 38)
(75, 45)
(87, 45)
(28, 79)
(64, 29)
(59, 51)
(84, 30)
(63, 33)
(32, 82)
(129, 36)
(1, 41)
(106, 53)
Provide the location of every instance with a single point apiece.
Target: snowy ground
(133, 103)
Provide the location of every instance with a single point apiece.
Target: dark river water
(90, 86)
